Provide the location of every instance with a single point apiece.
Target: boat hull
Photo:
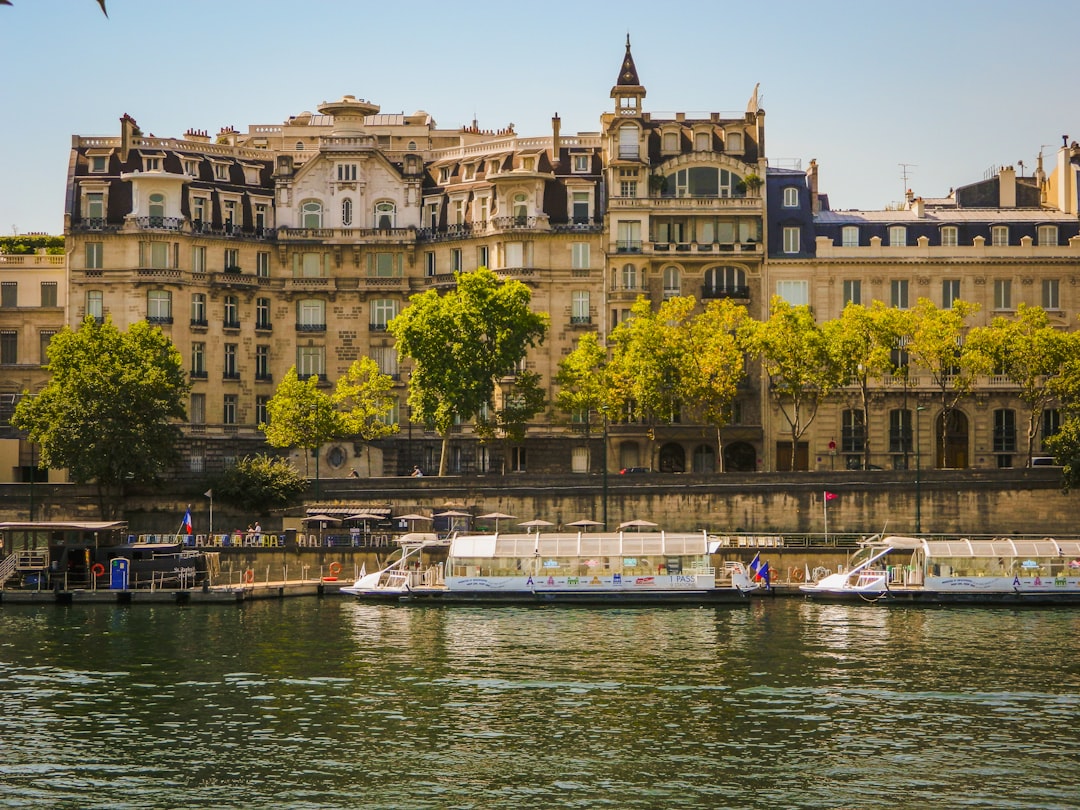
(926, 596)
(715, 596)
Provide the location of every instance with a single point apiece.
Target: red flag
(831, 496)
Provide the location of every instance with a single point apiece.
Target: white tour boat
(621, 567)
(997, 571)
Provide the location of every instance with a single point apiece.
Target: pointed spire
(628, 73)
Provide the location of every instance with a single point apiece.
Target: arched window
(521, 208)
(702, 142)
(628, 141)
(311, 214)
(672, 281)
(385, 215)
(412, 146)
(671, 141)
(346, 212)
(299, 146)
(157, 210)
(734, 142)
(629, 277)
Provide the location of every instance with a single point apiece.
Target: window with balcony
(672, 281)
(795, 292)
(999, 235)
(385, 215)
(791, 239)
(520, 208)
(703, 181)
(950, 292)
(628, 188)
(199, 217)
(9, 347)
(311, 214)
(383, 310)
(230, 368)
(95, 305)
(94, 210)
(579, 207)
(628, 142)
(725, 282)
(628, 236)
(261, 211)
(629, 280)
(229, 217)
(159, 306)
(1048, 234)
(950, 236)
(156, 210)
(898, 293)
(232, 312)
(898, 236)
(262, 313)
(198, 309)
(1051, 293)
(791, 197)
(1002, 293)
(311, 361)
(262, 362)
(9, 294)
(94, 253)
(852, 291)
(579, 307)
(311, 315)
(849, 236)
(232, 260)
(198, 361)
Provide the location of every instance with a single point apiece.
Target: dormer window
(469, 171)
(581, 164)
(528, 164)
(949, 236)
(493, 167)
(151, 163)
(191, 168)
(444, 174)
(99, 164)
(898, 236)
(734, 142)
(791, 197)
(671, 141)
(702, 142)
(221, 171)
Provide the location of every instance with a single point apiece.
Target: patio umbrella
(536, 524)
(636, 524)
(411, 518)
(497, 516)
(453, 514)
(585, 523)
(322, 520)
(364, 516)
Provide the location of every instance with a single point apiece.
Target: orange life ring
(335, 568)
(249, 576)
(97, 569)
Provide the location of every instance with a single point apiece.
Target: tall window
(311, 315)
(1051, 424)
(950, 236)
(95, 210)
(852, 291)
(45, 337)
(232, 312)
(852, 431)
(628, 142)
(198, 259)
(228, 409)
(1051, 298)
(579, 255)
(579, 306)
(672, 282)
(629, 236)
(9, 294)
(229, 219)
(520, 207)
(383, 310)
(1002, 293)
(311, 214)
(157, 255)
(386, 358)
(310, 361)
(385, 265)
(629, 277)
(262, 313)
(230, 368)
(9, 347)
(999, 235)
(580, 207)
(455, 260)
(900, 431)
(346, 211)
(791, 197)
(721, 281)
(898, 236)
(1004, 431)
(517, 459)
(262, 362)
(199, 207)
(94, 255)
(262, 264)
(198, 360)
(796, 293)
(898, 293)
(198, 309)
(791, 239)
(849, 236)
(1048, 234)
(232, 260)
(950, 292)
(385, 215)
(262, 410)
(197, 412)
(95, 305)
(159, 306)
(482, 256)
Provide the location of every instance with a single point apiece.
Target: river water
(329, 703)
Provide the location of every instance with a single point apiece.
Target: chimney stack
(556, 143)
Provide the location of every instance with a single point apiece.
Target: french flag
(187, 522)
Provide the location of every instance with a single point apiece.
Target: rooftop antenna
(904, 175)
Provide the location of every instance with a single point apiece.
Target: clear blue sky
(951, 87)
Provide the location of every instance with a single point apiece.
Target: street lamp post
(918, 469)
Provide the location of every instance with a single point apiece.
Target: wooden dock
(213, 594)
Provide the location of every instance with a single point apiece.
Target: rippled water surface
(329, 703)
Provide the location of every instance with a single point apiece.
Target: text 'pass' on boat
(621, 567)
(996, 571)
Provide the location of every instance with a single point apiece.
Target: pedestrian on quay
(258, 533)
(416, 473)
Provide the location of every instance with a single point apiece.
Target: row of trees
(111, 409)
(679, 359)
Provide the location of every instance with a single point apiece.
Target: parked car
(1043, 461)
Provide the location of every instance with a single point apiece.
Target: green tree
(108, 413)
(794, 354)
(301, 415)
(364, 399)
(582, 381)
(937, 343)
(461, 343)
(260, 483)
(861, 342)
(1030, 353)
